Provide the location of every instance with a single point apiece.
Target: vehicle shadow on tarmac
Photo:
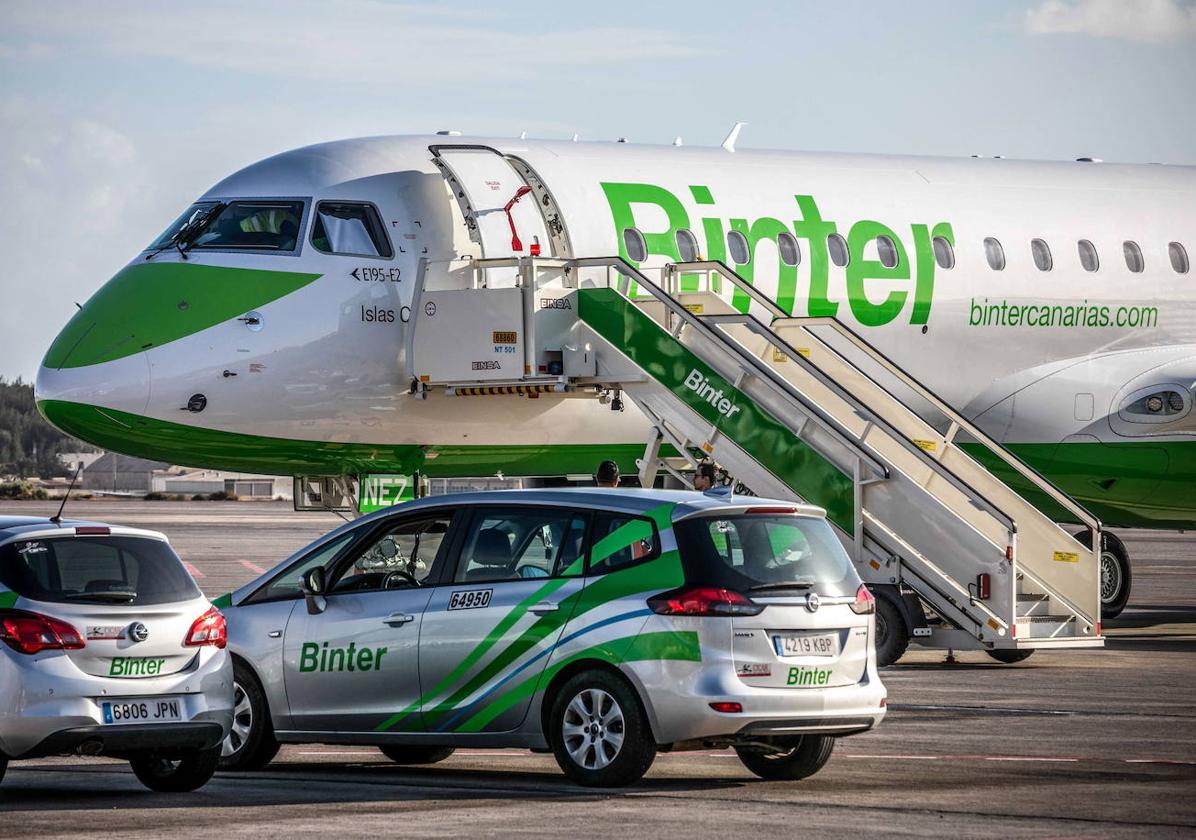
(77, 787)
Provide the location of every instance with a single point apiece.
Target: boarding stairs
(794, 408)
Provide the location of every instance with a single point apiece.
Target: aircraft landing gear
(1115, 575)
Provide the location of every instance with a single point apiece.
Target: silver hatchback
(107, 647)
(604, 626)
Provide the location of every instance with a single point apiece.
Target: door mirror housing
(312, 585)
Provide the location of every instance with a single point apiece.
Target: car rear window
(96, 570)
(765, 552)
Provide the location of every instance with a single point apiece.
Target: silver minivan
(107, 647)
(605, 626)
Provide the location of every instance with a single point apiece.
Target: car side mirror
(312, 585)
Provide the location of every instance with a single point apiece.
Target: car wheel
(1010, 656)
(176, 775)
(416, 755)
(599, 732)
(892, 637)
(1115, 575)
(795, 759)
(250, 743)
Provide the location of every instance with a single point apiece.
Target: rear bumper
(122, 741)
(44, 695)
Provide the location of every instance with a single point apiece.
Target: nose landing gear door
(508, 210)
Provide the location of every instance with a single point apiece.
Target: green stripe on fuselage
(178, 443)
(150, 304)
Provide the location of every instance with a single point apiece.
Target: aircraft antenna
(57, 518)
(729, 143)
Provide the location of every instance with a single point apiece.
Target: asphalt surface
(1095, 743)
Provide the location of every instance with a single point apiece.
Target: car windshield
(238, 225)
(97, 570)
(765, 552)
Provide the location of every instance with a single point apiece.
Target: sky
(114, 116)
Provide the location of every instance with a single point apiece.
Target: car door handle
(398, 619)
(543, 607)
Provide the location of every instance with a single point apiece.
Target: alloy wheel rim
(593, 728)
(1110, 577)
(242, 722)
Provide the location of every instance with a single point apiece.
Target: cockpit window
(192, 215)
(253, 225)
(347, 228)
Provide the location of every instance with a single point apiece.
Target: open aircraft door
(507, 208)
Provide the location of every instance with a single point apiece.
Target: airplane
(267, 329)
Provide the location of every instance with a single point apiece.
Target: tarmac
(1093, 743)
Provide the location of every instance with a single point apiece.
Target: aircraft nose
(88, 401)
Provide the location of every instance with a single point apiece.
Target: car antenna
(57, 518)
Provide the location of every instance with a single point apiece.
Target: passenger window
(994, 253)
(618, 541)
(286, 584)
(634, 244)
(789, 249)
(944, 253)
(886, 251)
(521, 544)
(350, 229)
(253, 226)
(1133, 257)
(403, 554)
(1042, 254)
(1179, 257)
(737, 247)
(1088, 257)
(837, 246)
(687, 245)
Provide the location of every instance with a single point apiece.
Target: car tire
(892, 636)
(176, 775)
(800, 757)
(250, 744)
(599, 732)
(416, 755)
(1010, 656)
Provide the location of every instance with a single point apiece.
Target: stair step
(1033, 596)
(1046, 619)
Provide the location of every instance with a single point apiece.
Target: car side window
(400, 554)
(521, 544)
(286, 584)
(618, 541)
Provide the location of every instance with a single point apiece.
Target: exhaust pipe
(93, 747)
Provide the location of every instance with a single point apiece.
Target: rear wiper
(115, 596)
(793, 584)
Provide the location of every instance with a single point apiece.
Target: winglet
(729, 143)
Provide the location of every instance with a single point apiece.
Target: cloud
(1145, 21)
(362, 41)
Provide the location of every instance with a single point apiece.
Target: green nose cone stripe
(150, 304)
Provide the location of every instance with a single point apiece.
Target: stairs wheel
(892, 634)
(1010, 656)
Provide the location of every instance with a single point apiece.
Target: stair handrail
(1043, 483)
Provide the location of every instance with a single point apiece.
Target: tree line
(29, 446)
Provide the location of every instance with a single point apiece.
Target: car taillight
(27, 632)
(209, 629)
(865, 601)
(703, 600)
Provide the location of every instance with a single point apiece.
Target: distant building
(115, 473)
(192, 482)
